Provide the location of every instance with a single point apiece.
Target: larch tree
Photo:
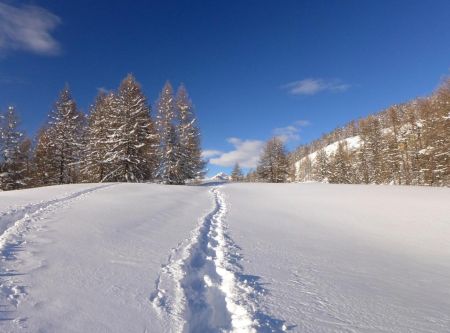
(191, 163)
(236, 174)
(26, 160)
(169, 168)
(273, 164)
(131, 138)
(64, 140)
(340, 166)
(321, 169)
(12, 164)
(95, 167)
(44, 168)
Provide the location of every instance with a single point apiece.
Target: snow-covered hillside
(232, 257)
(351, 143)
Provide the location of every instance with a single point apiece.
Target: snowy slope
(352, 143)
(347, 258)
(232, 257)
(88, 264)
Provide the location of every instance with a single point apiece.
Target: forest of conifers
(118, 141)
(406, 144)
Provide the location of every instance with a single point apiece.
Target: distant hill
(406, 144)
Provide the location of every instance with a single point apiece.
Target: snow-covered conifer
(191, 162)
(273, 164)
(340, 166)
(321, 168)
(12, 167)
(94, 166)
(236, 174)
(64, 140)
(169, 170)
(131, 137)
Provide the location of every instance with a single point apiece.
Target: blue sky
(254, 69)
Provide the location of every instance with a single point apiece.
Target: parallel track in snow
(202, 287)
(15, 224)
(15, 221)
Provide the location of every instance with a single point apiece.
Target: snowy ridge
(15, 224)
(202, 287)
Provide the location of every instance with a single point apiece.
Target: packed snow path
(210, 291)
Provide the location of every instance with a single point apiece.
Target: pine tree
(64, 140)
(12, 167)
(131, 136)
(273, 164)
(191, 163)
(236, 174)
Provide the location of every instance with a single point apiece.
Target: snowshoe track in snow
(202, 288)
(15, 224)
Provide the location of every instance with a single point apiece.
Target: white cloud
(245, 152)
(248, 152)
(315, 86)
(292, 132)
(28, 28)
(211, 153)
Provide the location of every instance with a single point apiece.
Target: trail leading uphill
(203, 288)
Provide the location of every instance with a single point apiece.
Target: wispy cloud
(290, 133)
(245, 152)
(315, 86)
(28, 28)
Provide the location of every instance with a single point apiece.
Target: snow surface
(225, 258)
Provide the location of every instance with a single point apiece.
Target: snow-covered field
(225, 257)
